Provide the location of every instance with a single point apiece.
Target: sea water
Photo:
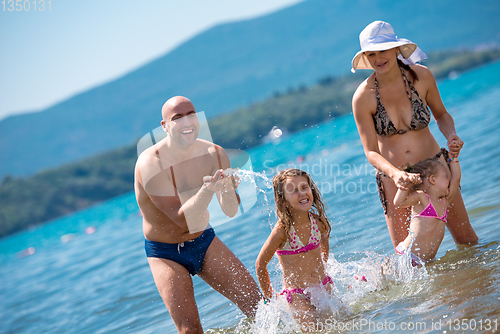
(88, 273)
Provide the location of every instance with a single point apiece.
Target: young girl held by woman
(433, 192)
(301, 241)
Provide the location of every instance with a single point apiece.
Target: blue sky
(48, 56)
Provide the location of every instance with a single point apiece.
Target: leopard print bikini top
(420, 116)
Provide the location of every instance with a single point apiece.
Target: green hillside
(29, 201)
(231, 66)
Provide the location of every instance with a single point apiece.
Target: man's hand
(222, 181)
(214, 183)
(231, 182)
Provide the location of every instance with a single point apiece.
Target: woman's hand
(455, 144)
(404, 180)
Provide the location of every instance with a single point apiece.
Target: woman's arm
(273, 242)
(443, 118)
(366, 129)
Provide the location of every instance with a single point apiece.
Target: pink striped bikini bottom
(307, 295)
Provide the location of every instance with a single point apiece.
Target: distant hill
(230, 66)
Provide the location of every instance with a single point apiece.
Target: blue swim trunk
(189, 254)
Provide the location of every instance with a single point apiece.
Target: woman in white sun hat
(391, 109)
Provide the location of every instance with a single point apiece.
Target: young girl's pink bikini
(430, 211)
(295, 246)
(302, 218)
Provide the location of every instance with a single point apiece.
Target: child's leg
(303, 312)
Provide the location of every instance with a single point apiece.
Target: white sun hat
(379, 36)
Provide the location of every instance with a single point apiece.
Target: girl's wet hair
(424, 168)
(282, 211)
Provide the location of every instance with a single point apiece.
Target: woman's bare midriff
(410, 147)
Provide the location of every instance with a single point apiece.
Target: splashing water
(251, 176)
(387, 277)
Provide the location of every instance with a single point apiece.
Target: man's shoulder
(208, 147)
(145, 159)
(147, 155)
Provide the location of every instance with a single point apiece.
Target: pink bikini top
(295, 246)
(430, 211)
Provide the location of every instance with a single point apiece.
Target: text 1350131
(26, 5)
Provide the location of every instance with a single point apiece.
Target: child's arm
(273, 242)
(403, 197)
(325, 239)
(456, 175)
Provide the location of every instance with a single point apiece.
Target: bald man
(175, 180)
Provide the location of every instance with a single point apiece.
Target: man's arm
(161, 191)
(229, 199)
